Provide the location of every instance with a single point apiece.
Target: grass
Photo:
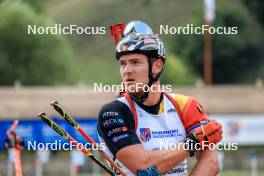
(239, 172)
(224, 173)
(94, 54)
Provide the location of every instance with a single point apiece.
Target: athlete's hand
(210, 132)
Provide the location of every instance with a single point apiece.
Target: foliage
(176, 72)
(256, 7)
(236, 59)
(31, 59)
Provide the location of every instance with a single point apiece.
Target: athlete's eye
(122, 63)
(135, 62)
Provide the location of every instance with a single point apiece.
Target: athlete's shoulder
(191, 109)
(112, 108)
(115, 111)
(115, 126)
(186, 103)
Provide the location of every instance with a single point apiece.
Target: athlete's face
(134, 71)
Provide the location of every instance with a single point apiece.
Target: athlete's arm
(207, 163)
(165, 160)
(115, 126)
(136, 158)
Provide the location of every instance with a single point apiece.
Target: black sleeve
(115, 126)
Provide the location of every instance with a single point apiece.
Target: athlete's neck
(154, 94)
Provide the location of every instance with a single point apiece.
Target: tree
(236, 58)
(256, 7)
(31, 59)
(37, 6)
(176, 72)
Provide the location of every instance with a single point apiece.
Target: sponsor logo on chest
(146, 134)
(171, 110)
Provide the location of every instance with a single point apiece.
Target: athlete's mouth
(129, 80)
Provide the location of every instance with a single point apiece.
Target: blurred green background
(70, 59)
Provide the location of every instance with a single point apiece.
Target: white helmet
(139, 38)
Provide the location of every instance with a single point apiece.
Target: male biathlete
(149, 132)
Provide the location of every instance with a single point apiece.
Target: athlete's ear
(157, 66)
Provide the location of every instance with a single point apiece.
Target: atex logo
(110, 113)
(111, 122)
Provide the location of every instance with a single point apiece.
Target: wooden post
(208, 56)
